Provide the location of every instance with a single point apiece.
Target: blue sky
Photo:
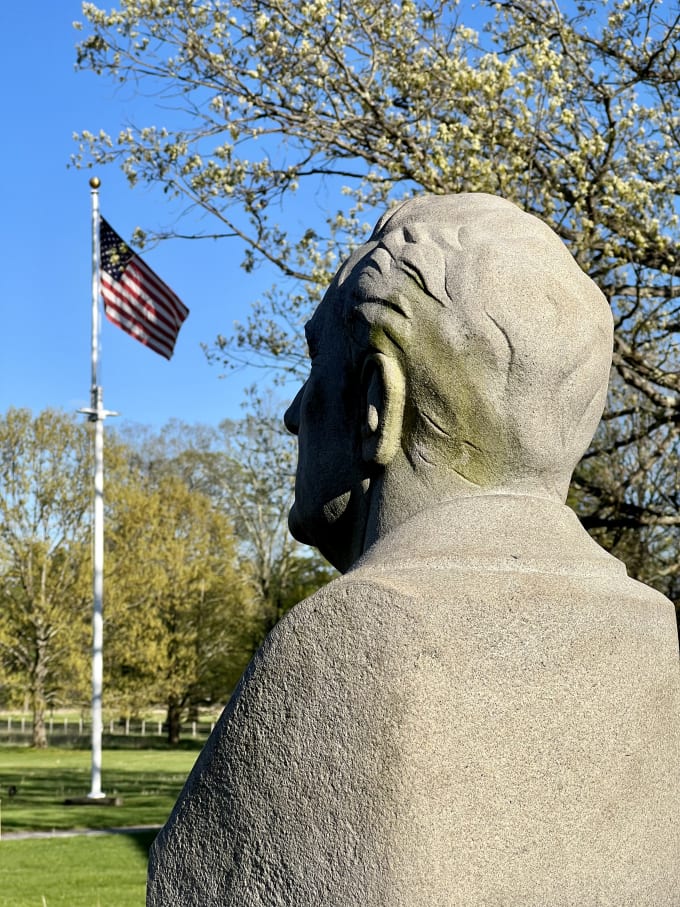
(46, 259)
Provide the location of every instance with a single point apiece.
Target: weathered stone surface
(484, 709)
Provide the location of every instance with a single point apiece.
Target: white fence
(14, 727)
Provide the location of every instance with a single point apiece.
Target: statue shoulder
(357, 598)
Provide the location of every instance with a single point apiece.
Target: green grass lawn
(147, 780)
(106, 871)
(102, 871)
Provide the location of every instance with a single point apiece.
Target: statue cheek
(297, 527)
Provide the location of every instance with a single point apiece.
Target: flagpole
(97, 414)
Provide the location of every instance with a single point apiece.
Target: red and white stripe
(143, 306)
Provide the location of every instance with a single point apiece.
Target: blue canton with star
(115, 254)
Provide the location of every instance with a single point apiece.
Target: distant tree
(44, 557)
(633, 476)
(247, 469)
(187, 600)
(256, 484)
(180, 623)
(568, 108)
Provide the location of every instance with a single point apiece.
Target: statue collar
(496, 533)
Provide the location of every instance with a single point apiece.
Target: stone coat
(491, 719)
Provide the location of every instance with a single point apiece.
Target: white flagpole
(96, 413)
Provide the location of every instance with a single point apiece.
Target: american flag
(135, 298)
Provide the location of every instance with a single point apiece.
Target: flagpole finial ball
(95, 182)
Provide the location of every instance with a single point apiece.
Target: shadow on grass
(148, 781)
(143, 841)
(116, 742)
(109, 742)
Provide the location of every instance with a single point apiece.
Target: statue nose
(291, 417)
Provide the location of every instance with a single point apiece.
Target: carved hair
(506, 344)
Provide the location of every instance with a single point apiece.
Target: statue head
(460, 351)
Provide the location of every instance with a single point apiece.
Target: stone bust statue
(483, 710)
(460, 351)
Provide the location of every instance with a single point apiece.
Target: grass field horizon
(83, 871)
(147, 780)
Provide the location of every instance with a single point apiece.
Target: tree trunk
(174, 720)
(39, 707)
(38, 694)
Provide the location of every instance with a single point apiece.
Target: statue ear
(383, 392)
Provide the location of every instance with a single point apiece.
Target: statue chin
(313, 531)
(297, 528)
(335, 530)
